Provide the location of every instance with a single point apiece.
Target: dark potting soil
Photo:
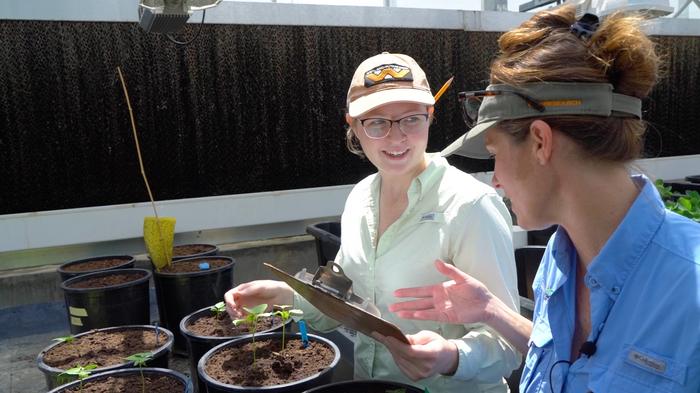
(96, 264)
(108, 280)
(132, 384)
(104, 348)
(191, 249)
(234, 365)
(222, 326)
(193, 266)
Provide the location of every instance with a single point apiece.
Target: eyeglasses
(378, 128)
(471, 102)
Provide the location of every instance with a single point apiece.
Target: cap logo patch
(388, 73)
(570, 102)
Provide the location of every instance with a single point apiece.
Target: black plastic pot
(198, 345)
(368, 386)
(180, 294)
(327, 235)
(321, 378)
(128, 262)
(213, 250)
(540, 237)
(160, 356)
(116, 373)
(114, 305)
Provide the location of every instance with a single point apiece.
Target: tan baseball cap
(387, 78)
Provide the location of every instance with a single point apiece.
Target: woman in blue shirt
(617, 305)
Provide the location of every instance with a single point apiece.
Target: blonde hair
(619, 53)
(351, 141)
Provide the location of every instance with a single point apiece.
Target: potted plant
(94, 264)
(367, 386)
(210, 326)
(106, 348)
(229, 367)
(130, 381)
(188, 285)
(108, 298)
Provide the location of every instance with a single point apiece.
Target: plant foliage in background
(687, 205)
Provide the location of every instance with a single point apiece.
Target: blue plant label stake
(304, 335)
(203, 266)
(156, 324)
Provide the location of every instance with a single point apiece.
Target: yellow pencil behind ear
(159, 243)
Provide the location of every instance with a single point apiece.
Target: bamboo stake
(138, 153)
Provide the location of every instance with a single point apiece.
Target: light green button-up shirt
(450, 216)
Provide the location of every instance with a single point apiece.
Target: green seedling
(80, 372)
(251, 319)
(140, 360)
(218, 309)
(285, 312)
(67, 340)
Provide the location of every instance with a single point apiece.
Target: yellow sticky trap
(159, 243)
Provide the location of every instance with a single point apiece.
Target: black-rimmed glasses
(471, 102)
(378, 128)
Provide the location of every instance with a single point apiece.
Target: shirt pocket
(637, 370)
(537, 359)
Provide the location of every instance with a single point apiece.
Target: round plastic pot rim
(199, 273)
(219, 385)
(127, 259)
(83, 277)
(189, 335)
(167, 346)
(146, 370)
(215, 248)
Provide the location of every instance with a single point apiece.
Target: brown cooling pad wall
(243, 109)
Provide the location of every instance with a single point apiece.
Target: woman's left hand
(428, 354)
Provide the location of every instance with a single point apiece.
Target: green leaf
(140, 358)
(218, 308)
(80, 371)
(237, 322)
(257, 309)
(685, 202)
(65, 339)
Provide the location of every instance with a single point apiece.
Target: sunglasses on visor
(470, 102)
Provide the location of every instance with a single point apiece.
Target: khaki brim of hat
(472, 143)
(389, 96)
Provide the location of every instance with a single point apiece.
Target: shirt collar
(423, 183)
(430, 175)
(621, 253)
(563, 250)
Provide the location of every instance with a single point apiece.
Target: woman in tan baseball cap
(617, 294)
(396, 222)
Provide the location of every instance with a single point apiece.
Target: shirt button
(615, 290)
(593, 282)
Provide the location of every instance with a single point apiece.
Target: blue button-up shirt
(645, 308)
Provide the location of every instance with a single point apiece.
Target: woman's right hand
(252, 293)
(462, 300)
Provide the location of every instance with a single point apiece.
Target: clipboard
(339, 302)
